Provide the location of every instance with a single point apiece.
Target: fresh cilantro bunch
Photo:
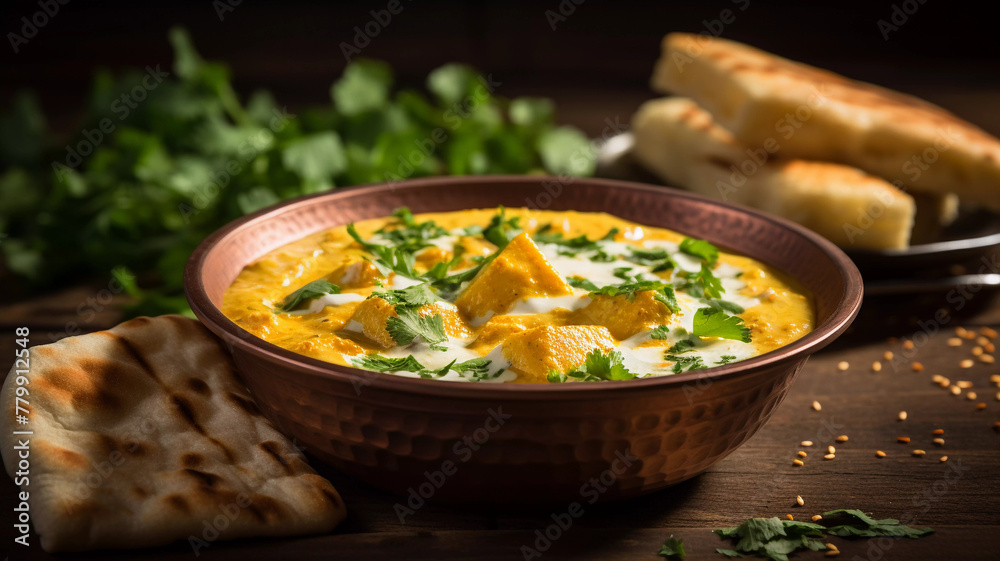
(193, 156)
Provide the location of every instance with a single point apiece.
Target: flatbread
(143, 435)
(822, 116)
(684, 146)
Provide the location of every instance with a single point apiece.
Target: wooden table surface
(960, 498)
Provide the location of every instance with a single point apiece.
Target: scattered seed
(938, 431)
(967, 363)
(977, 351)
(816, 518)
(842, 438)
(888, 355)
(945, 382)
(987, 359)
(902, 415)
(790, 517)
(982, 340)
(807, 443)
(995, 378)
(908, 345)
(960, 331)
(919, 452)
(831, 449)
(798, 462)
(877, 366)
(798, 499)
(980, 406)
(937, 378)
(903, 439)
(917, 367)
(833, 553)
(964, 384)
(944, 458)
(954, 342)
(971, 396)
(817, 406)
(956, 390)
(989, 347)
(843, 365)
(880, 453)
(988, 332)
(938, 441)
(969, 335)
(802, 454)
(829, 456)
(998, 396)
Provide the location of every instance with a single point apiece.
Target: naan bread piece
(818, 115)
(143, 436)
(681, 143)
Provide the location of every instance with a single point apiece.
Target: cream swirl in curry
(516, 295)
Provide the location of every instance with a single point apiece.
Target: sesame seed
(843, 365)
(937, 378)
(903, 439)
(908, 345)
(790, 517)
(798, 462)
(832, 553)
(980, 406)
(919, 452)
(969, 335)
(960, 331)
(807, 443)
(982, 340)
(816, 518)
(842, 438)
(802, 454)
(967, 363)
(887, 355)
(880, 453)
(954, 342)
(989, 347)
(829, 456)
(971, 396)
(831, 449)
(964, 384)
(988, 332)
(977, 351)
(938, 441)
(945, 382)
(995, 378)
(987, 359)
(817, 406)
(877, 366)
(831, 546)
(943, 458)
(902, 415)
(798, 499)
(956, 390)
(917, 367)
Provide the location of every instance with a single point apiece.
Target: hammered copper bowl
(514, 443)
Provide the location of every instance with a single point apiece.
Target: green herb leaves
(858, 524)
(314, 289)
(772, 538)
(501, 229)
(599, 366)
(474, 370)
(408, 324)
(711, 322)
(663, 293)
(672, 548)
(701, 249)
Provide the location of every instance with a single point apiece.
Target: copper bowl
(513, 443)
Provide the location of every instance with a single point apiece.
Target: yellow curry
(516, 295)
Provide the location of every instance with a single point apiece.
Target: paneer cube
(533, 353)
(356, 273)
(373, 314)
(519, 271)
(623, 318)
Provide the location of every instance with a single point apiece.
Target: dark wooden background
(596, 65)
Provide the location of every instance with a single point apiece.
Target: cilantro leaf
(408, 234)
(682, 346)
(408, 324)
(861, 525)
(772, 538)
(710, 322)
(663, 293)
(314, 289)
(416, 295)
(685, 363)
(598, 366)
(673, 547)
(501, 229)
(726, 306)
(710, 283)
(578, 282)
(657, 258)
(725, 359)
(659, 332)
(380, 363)
(701, 249)
(576, 245)
(728, 552)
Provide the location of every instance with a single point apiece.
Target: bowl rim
(839, 320)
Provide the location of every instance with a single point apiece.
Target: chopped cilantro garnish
(725, 359)
(408, 324)
(411, 235)
(314, 289)
(657, 258)
(701, 249)
(579, 282)
(662, 292)
(682, 346)
(726, 306)
(859, 524)
(602, 256)
(417, 295)
(709, 282)
(684, 363)
(598, 366)
(501, 229)
(572, 246)
(381, 363)
(673, 547)
(475, 369)
(710, 322)
(659, 332)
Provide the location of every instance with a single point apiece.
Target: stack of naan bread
(866, 167)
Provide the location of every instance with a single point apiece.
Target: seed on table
(798, 462)
(919, 452)
(917, 367)
(908, 345)
(989, 347)
(880, 453)
(842, 438)
(967, 363)
(945, 382)
(956, 390)
(798, 499)
(843, 365)
(903, 439)
(831, 449)
(888, 355)
(817, 406)
(877, 366)
(982, 340)
(964, 384)
(969, 335)
(998, 396)
(954, 342)
(807, 443)
(902, 415)
(977, 351)
(971, 396)
(817, 517)
(988, 332)
(790, 517)
(987, 359)
(938, 431)
(938, 441)
(802, 454)
(829, 456)
(832, 553)
(980, 406)
(943, 458)
(995, 378)
(960, 331)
